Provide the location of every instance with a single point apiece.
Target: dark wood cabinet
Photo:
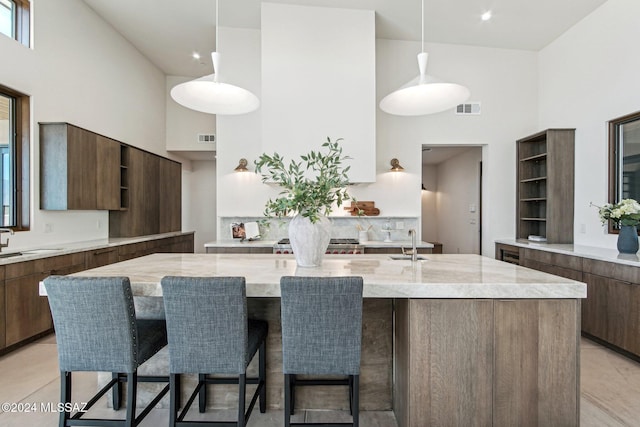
(535, 349)
(150, 196)
(611, 311)
(27, 313)
(486, 362)
(545, 174)
(154, 197)
(100, 257)
(175, 244)
(170, 187)
(79, 170)
(107, 173)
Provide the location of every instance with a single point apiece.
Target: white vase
(309, 241)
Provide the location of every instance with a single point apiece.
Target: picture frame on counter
(237, 230)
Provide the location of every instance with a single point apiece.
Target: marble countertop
(440, 276)
(591, 252)
(44, 251)
(270, 243)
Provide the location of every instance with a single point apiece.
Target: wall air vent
(206, 138)
(472, 108)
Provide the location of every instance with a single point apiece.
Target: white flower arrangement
(625, 212)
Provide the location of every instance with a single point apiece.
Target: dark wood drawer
(560, 260)
(100, 257)
(47, 266)
(625, 273)
(553, 269)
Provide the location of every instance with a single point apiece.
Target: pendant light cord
(218, 25)
(422, 25)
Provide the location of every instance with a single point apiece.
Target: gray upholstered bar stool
(209, 333)
(97, 330)
(321, 335)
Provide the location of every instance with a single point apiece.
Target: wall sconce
(242, 166)
(423, 188)
(395, 165)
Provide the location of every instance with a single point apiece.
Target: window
(14, 159)
(14, 20)
(7, 18)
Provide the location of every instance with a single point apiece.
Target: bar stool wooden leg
(288, 410)
(132, 379)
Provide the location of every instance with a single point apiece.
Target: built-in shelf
(545, 185)
(124, 177)
(538, 178)
(537, 157)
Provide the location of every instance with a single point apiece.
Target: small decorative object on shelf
(625, 215)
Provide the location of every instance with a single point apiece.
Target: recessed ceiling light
(486, 16)
(195, 55)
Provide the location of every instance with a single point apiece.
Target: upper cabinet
(81, 170)
(545, 185)
(154, 189)
(78, 169)
(318, 81)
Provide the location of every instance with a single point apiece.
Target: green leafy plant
(309, 187)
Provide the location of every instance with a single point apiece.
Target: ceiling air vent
(470, 108)
(205, 138)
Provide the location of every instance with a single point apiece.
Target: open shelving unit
(124, 177)
(545, 185)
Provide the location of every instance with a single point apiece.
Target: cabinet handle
(103, 251)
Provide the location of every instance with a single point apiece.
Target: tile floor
(610, 391)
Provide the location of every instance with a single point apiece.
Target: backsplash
(343, 227)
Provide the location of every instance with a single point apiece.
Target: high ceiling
(168, 31)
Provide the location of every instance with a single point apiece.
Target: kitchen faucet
(5, 230)
(414, 250)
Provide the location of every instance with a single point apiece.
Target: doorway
(452, 197)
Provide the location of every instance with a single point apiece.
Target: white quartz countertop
(270, 243)
(591, 252)
(49, 250)
(440, 276)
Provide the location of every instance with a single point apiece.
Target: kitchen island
(452, 340)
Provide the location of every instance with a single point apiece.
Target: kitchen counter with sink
(503, 340)
(20, 255)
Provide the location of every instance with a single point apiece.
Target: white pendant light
(208, 95)
(425, 94)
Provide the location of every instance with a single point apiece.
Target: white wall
(199, 196)
(82, 72)
(504, 80)
(319, 83)
(459, 190)
(589, 76)
(183, 124)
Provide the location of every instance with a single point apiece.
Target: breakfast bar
(449, 340)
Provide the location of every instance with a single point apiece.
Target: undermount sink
(406, 257)
(9, 254)
(41, 251)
